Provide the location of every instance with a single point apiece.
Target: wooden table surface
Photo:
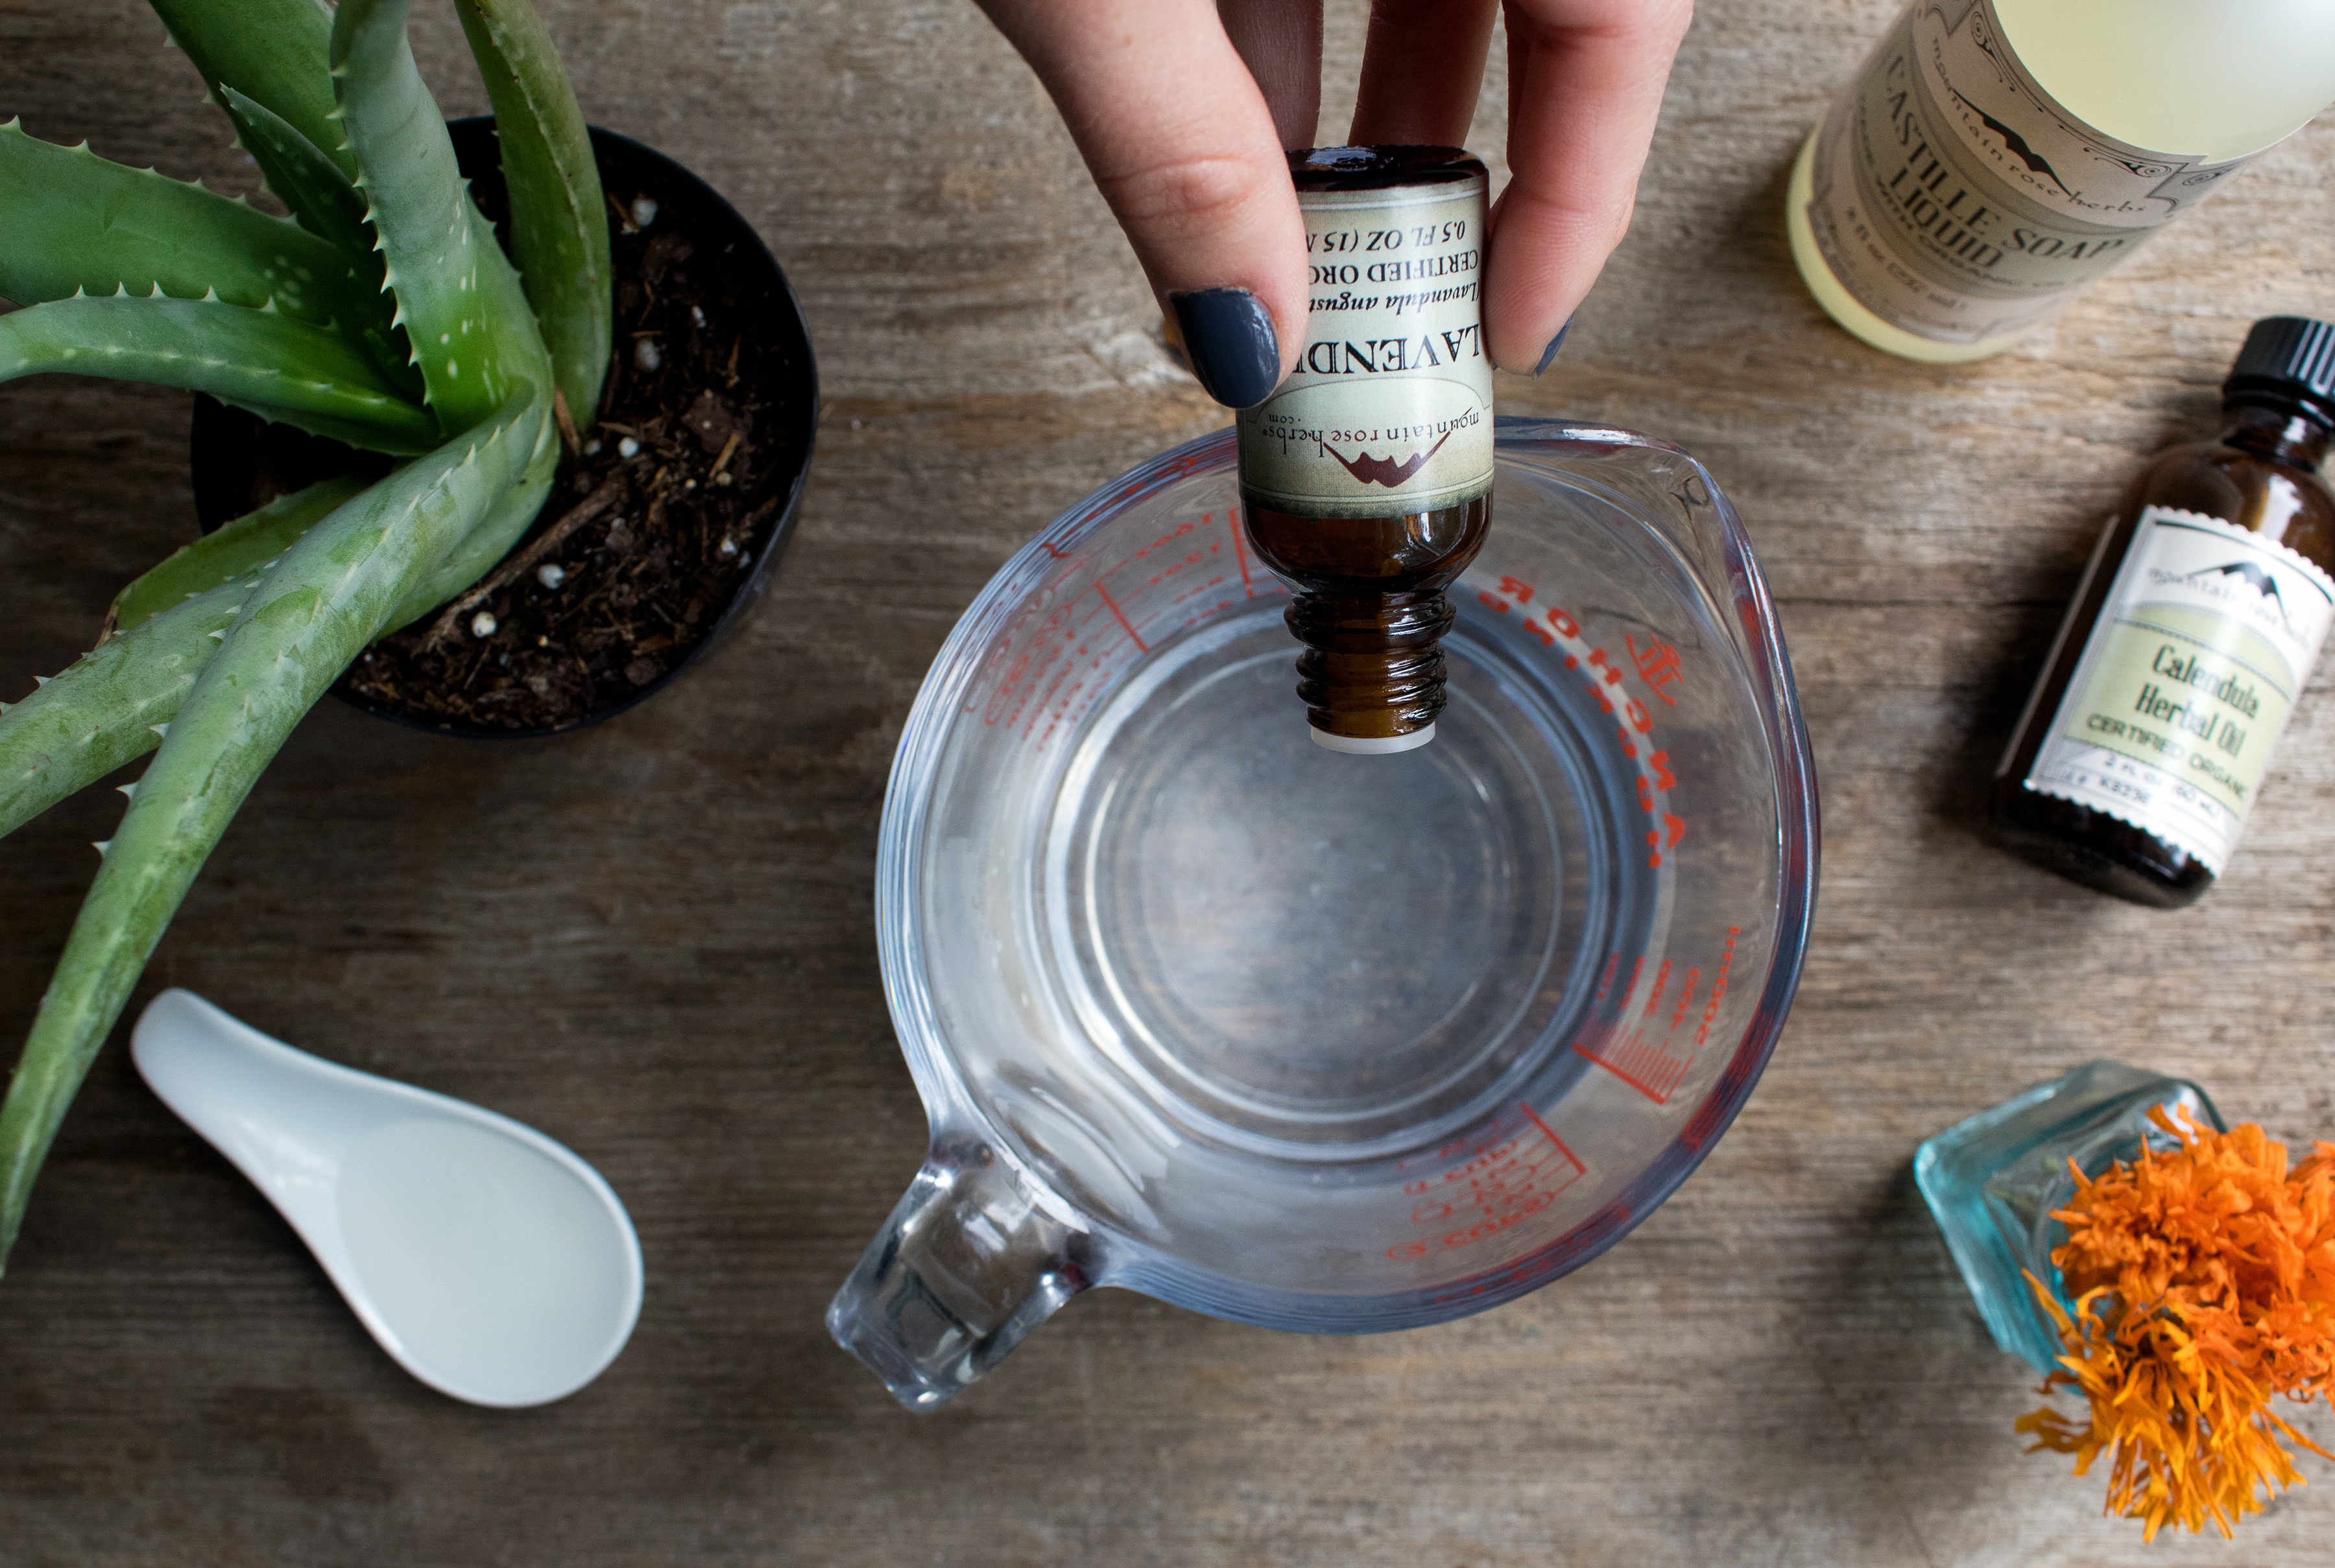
(654, 940)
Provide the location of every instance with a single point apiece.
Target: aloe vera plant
(383, 314)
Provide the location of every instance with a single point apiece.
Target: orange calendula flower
(2204, 1284)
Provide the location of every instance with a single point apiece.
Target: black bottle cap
(1320, 168)
(2292, 357)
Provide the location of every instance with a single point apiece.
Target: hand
(1183, 114)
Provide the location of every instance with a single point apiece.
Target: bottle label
(2205, 638)
(1390, 409)
(1954, 197)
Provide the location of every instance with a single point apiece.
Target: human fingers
(1421, 68)
(1182, 146)
(1586, 82)
(1280, 42)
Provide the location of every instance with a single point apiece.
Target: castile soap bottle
(1994, 156)
(1366, 478)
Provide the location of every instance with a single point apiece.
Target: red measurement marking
(1549, 1133)
(1503, 1182)
(1717, 986)
(1585, 1238)
(1639, 1061)
(1658, 665)
(1606, 984)
(1662, 984)
(1052, 664)
(1123, 623)
(1686, 998)
(1198, 588)
(1657, 661)
(1655, 842)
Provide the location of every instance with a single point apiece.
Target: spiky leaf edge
(100, 712)
(79, 223)
(276, 52)
(332, 593)
(262, 359)
(327, 205)
(558, 216)
(473, 334)
(234, 550)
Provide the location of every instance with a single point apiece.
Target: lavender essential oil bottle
(1366, 478)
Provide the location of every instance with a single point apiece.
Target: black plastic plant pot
(689, 481)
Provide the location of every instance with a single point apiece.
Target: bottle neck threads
(1373, 671)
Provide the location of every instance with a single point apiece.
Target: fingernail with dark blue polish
(1229, 338)
(1548, 355)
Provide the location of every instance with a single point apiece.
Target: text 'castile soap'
(1994, 156)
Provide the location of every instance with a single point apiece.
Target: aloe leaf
(76, 221)
(327, 205)
(460, 304)
(261, 360)
(559, 222)
(238, 548)
(99, 712)
(277, 52)
(487, 544)
(312, 185)
(332, 593)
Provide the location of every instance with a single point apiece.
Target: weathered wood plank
(654, 940)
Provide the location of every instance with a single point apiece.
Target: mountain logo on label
(2017, 144)
(1370, 470)
(2256, 577)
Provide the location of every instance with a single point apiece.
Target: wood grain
(654, 940)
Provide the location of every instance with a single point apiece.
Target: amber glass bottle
(1366, 478)
(2190, 639)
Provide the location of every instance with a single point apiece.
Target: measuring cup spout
(965, 1267)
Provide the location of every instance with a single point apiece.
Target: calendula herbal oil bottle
(1366, 478)
(2193, 633)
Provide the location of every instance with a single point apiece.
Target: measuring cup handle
(965, 1268)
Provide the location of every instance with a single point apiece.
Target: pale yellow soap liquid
(2200, 79)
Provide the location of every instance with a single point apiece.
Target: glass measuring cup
(1329, 1043)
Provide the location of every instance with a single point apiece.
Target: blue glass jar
(1993, 1181)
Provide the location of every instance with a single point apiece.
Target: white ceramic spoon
(492, 1264)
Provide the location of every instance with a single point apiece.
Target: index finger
(1182, 145)
(1585, 88)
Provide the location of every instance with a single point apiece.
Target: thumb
(1182, 146)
